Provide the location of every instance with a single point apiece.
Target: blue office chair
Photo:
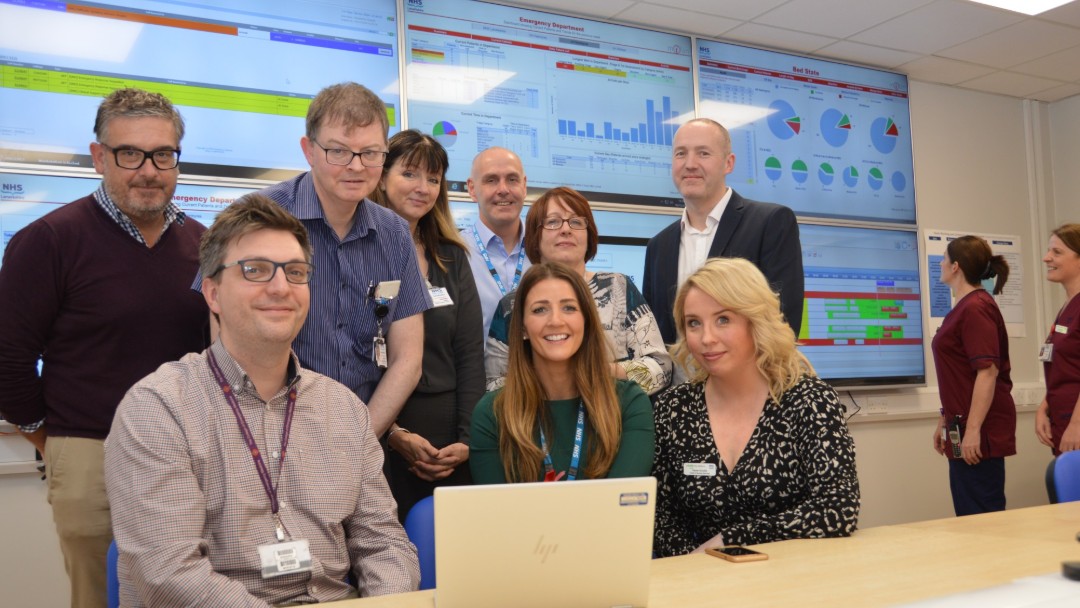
(420, 526)
(1067, 476)
(112, 585)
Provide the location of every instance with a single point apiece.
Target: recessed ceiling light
(1028, 7)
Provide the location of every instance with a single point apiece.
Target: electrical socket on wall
(877, 405)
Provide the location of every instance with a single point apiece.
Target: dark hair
(350, 104)
(1070, 235)
(411, 148)
(136, 103)
(977, 261)
(534, 220)
(248, 214)
(520, 405)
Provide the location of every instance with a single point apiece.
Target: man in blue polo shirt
(364, 328)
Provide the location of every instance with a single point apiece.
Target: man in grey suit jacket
(718, 222)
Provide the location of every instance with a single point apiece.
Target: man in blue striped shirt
(371, 344)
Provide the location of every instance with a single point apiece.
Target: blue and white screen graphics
(862, 317)
(585, 104)
(242, 73)
(827, 139)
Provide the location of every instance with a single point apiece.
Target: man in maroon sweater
(99, 291)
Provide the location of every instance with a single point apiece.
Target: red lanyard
(249, 437)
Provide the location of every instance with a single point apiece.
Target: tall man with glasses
(237, 477)
(365, 329)
(98, 290)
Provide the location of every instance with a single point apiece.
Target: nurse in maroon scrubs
(1057, 422)
(977, 429)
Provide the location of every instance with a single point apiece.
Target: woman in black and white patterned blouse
(754, 448)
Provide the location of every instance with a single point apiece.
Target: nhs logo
(11, 188)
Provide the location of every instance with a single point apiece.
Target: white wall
(31, 566)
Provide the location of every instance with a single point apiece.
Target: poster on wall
(1010, 300)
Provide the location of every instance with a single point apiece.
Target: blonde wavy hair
(738, 285)
(520, 406)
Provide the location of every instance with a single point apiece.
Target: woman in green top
(560, 415)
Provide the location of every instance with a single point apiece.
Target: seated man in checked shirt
(238, 478)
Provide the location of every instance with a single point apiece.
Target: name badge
(440, 297)
(285, 558)
(699, 469)
(1061, 329)
(1046, 352)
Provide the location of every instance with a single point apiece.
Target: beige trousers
(75, 468)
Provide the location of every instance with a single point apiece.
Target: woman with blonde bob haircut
(559, 387)
(754, 448)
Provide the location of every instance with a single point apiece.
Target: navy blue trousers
(977, 488)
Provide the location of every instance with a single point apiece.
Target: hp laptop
(569, 544)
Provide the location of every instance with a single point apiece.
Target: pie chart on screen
(826, 174)
(899, 182)
(444, 133)
(851, 176)
(783, 121)
(875, 178)
(835, 127)
(773, 168)
(883, 134)
(799, 171)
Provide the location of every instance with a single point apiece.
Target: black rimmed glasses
(263, 271)
(555, 223)
(128, 157)
(344, 156)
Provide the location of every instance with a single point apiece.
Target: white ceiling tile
(1057, 93)
(597, 9)
(736, 9)
(1017, 43)
(936, 26)
(1068, 14)
(1060, 66)
(1009, 83)
(867, 54)
(667, 18)
(836, 18)
(763, 35)
(945, 71)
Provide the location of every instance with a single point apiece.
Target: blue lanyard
(575, 457)
(491, 267)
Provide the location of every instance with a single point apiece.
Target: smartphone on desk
(735, 553)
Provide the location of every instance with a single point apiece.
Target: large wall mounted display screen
(585, 104)
(26, 197)
(862, 321)
(827, 139)
(241, 72)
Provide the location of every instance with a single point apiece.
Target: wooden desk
(875, 567)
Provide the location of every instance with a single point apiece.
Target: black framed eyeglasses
(128, 157)
(555, 223)
(344, 156)
(263, 271)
